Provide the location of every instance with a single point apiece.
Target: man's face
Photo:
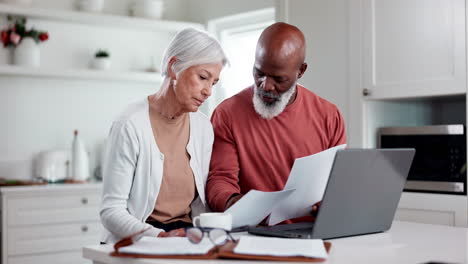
(275, 84)
(273, 77)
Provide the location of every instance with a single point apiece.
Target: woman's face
(194, 85)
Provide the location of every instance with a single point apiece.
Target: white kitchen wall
(39, 114)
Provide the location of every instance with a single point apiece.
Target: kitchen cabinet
(413, 48)
(49, 223)
(407, 67)
(432, 209)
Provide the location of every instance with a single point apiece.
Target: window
(238, 35)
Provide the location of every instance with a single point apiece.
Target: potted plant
(25, 41)
(101, 60)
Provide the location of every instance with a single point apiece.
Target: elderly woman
(159, 149)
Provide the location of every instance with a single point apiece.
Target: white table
(404, 243)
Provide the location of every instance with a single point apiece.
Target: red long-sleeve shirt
(250, 152)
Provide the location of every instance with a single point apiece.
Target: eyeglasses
(216, 235)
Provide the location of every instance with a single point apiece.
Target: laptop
(361, 196)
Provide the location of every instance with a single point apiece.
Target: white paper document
(309, 176)
(167, 246)
(253, 207)
(287, 247)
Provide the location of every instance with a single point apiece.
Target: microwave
(439, 165)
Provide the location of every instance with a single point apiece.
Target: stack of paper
(255, 206)
(284, 247)
(305, 187)
(167, 246)
(309, 176)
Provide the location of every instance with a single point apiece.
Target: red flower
(43, 36)
(4, 37)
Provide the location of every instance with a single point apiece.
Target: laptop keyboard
(297, 230)
(289, 227)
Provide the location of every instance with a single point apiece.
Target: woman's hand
(174, 233)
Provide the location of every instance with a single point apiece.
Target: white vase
(80, 161)
(101, 63)
(27, 53)
(6, 55)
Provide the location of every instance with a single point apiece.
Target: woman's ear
(170, 67)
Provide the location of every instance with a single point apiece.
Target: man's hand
(308, 218)
(315, 209)
(232, 200)
(174, 233)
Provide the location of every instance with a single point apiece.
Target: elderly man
(260, 131)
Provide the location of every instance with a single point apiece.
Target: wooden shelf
(81, 74)
(96, 19)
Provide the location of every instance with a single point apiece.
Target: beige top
(178, 186)
(133, 171)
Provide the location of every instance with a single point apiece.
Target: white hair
(192, 47)
(270, 110)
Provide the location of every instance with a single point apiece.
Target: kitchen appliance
(52, 166)
(439, 165)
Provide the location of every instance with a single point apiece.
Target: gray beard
(271, 110)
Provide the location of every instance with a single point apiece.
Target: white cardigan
(133, 169)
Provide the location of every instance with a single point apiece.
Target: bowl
(94, 6)
(147, 9)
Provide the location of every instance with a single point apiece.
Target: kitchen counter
(44, 187)
(404, 243)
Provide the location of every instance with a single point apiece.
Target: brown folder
(225, 251)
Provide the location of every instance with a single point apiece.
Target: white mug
(214, 220)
